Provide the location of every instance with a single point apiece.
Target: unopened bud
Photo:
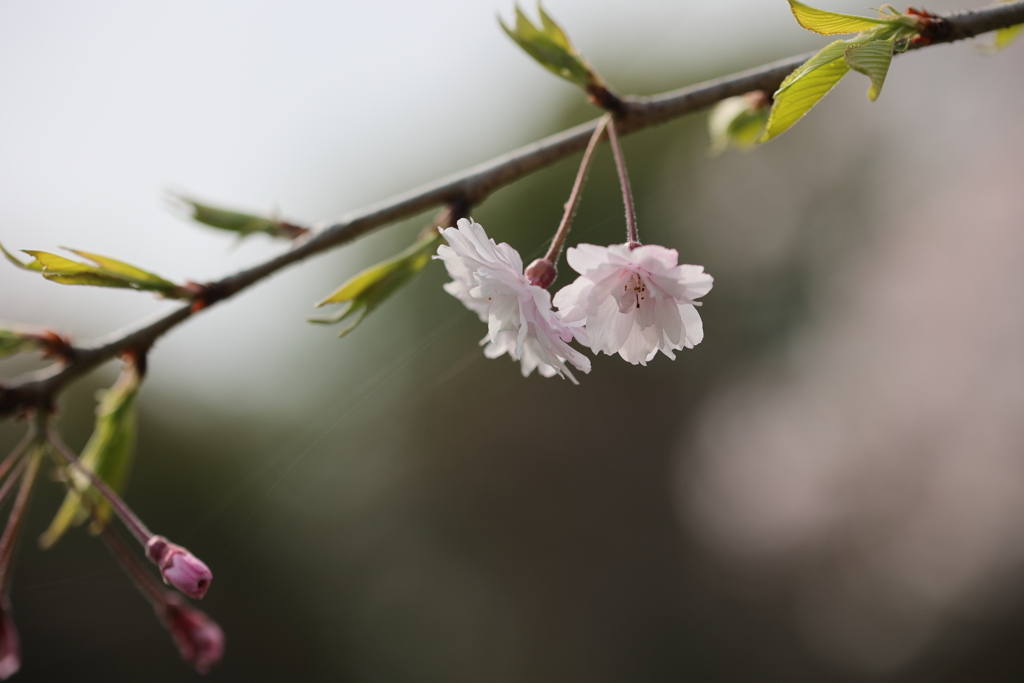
(199, 639)
(541, 273)
(179, 567)
(10, 645)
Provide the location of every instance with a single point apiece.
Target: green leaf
(871, 59)
(126, 271)
(108, 454)
(370, 288)
(805, 87)
(13, 341)
(233, 221)
(107, 272)
(831, 23)
(34, 265)
(738, 122)
(1005, 36)
(67, 272)
(553, 31)
(551, 47)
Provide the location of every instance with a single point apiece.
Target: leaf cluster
(869, 52)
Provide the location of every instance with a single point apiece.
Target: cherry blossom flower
(633, 302)
(488, 278)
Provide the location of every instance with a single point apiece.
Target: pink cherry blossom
(633, 302)
(488, 278)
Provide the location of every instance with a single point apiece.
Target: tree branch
(468, 187)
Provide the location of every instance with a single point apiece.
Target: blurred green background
(828, 488)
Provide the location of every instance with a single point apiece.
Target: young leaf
(805, 87)
(871, 59)
(15, 338)
(553, 31)
(373, 286)
(1005, 36)
(67, 272)
(551, 47)
(33, 265)
(108, 454)
(233, 221)
(738, 121)
(106, 272)
(831, 23)
(12, 341)
(126, 271)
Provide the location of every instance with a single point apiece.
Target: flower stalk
(14, 468)
(179, 567)
(121, 509)
(199, 639)
(555, 251)
(16, 520)
(9, 483)
(13, 459)
(627, 193)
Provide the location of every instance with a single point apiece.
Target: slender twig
(36, 390)
(577, 192)
(134, 524)
(9, 483)
(627, 191)
(14, 456)
(9, 541)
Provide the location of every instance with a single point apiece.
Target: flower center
(634, 293)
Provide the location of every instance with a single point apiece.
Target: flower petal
(488, 278)
(693, 325)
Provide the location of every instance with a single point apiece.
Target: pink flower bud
(199, 639)
(541, 273)
(10, 645)
(179, 567)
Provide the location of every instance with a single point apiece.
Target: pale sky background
(312, 108)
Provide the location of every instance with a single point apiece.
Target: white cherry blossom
(633, 302)
(488, 278)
